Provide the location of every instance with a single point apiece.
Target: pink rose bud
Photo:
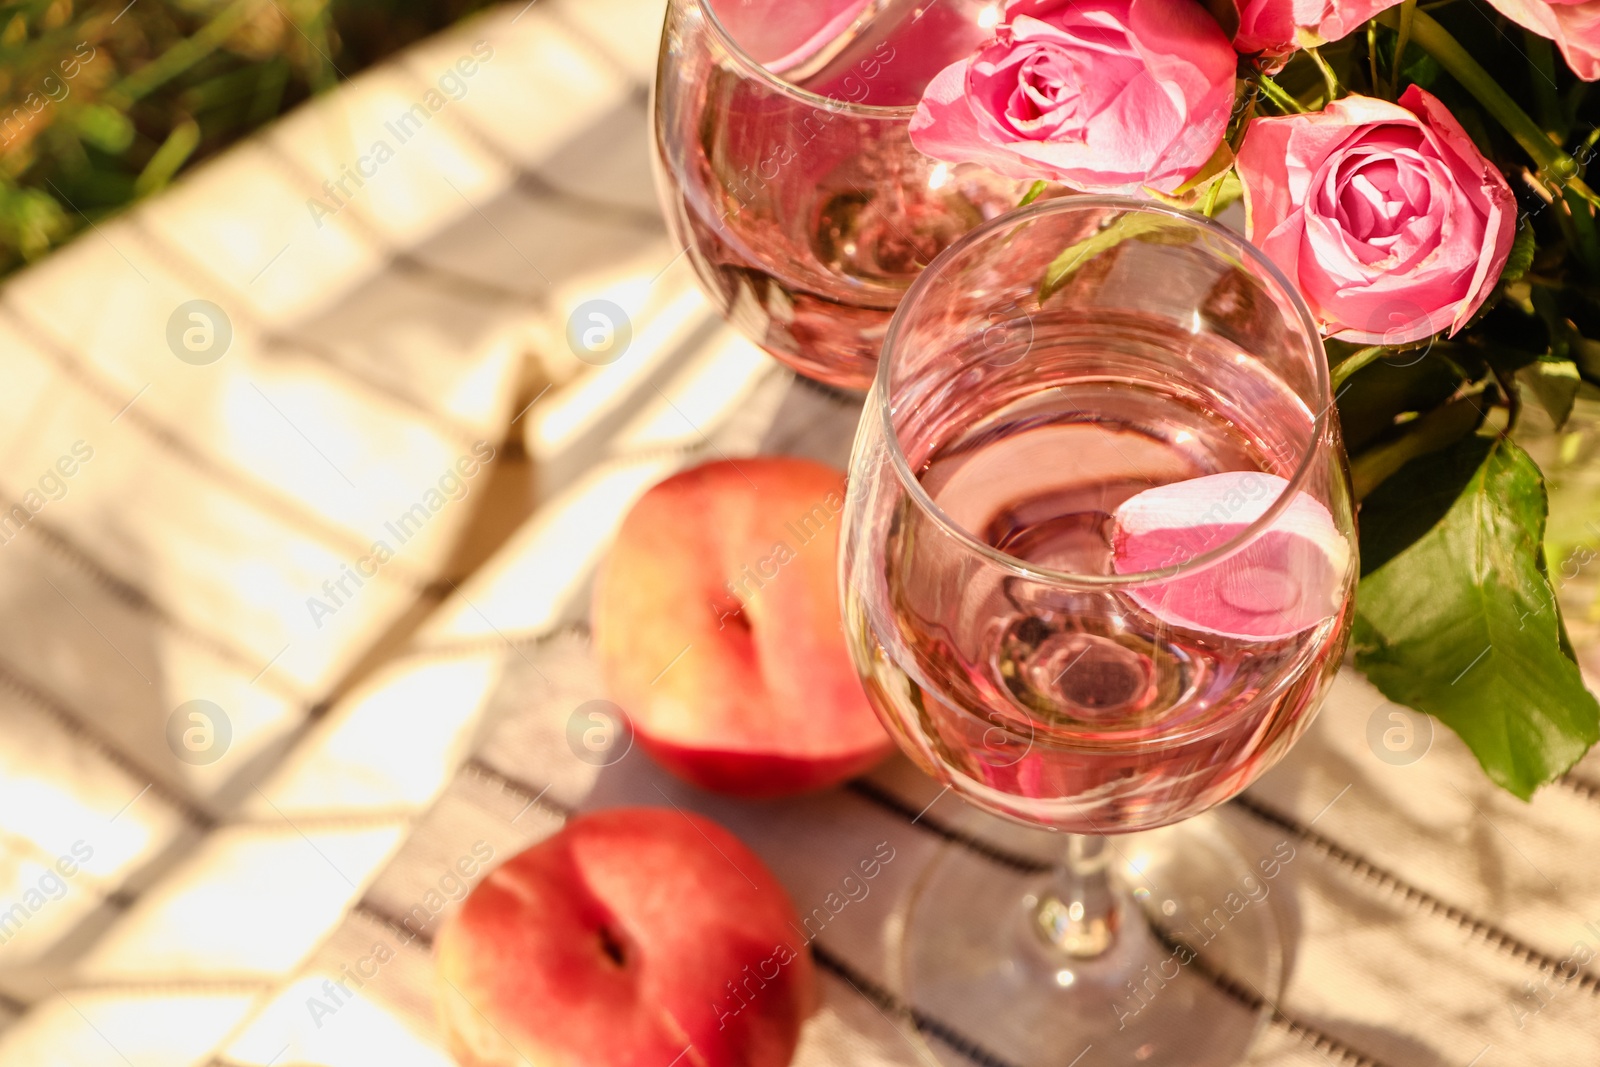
(1574, 25)
(1101, 95)
(1288, 578)
(1386, 216)
(1278, 27)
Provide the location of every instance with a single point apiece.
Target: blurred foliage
(104, 103)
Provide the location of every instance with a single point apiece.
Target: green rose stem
(1542, 58)
(1513, 399)
(1329, 78)
(1353, 362)
(1274, 92)
(1438, 43)
(1408, 11)
(1372, 60)
(1430, 432)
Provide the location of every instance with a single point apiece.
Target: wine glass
(1097, 570)
(786, 170)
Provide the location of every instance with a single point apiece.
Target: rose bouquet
(1435, 218)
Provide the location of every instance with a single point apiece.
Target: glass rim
(1013, 219)
(760, 73)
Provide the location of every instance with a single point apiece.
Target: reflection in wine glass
(785, 164)
(1097, 575)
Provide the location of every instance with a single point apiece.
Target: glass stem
(1079, 913)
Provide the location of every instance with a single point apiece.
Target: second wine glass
(786, 169)
(1098, 557)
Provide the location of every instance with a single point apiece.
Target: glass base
(1196, 953)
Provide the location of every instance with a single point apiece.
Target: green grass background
(104, 103)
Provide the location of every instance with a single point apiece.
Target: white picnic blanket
(241, 748)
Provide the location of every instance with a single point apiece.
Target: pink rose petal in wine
(1289, 578)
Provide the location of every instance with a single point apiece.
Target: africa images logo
(451, 85)
(452, 485)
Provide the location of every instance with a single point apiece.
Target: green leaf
(1555, 383)
(104, 127)
(1522, 249)
(1142, 224)
(30, 220)
(1210, 173)
(1570, 461)
(1463, 623)
(1421, 68)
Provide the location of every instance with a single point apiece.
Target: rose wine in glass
(1035, 464)
(1097, 571)
(786, 169)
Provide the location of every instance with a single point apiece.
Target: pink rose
(1574, 25)
(1101, 95)
(1385, 215)
(1278, 27)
